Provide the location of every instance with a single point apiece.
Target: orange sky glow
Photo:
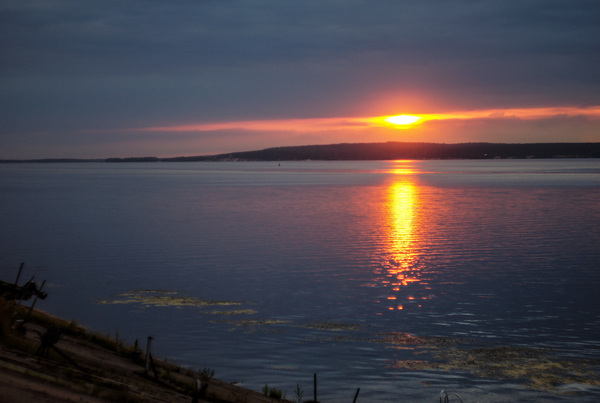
(208, 78)
(361, 123)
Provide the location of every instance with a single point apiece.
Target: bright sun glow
(347, 124)
(403, 119)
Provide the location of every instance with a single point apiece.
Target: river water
(401, 278)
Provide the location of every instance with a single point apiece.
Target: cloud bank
(80, 78)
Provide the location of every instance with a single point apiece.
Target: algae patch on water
(537, 368)
(169, 298)
(400, 340)
(256, 325)
(245, 323)
(333, 326)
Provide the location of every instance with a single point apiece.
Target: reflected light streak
(403, 168)
(400, 269)
(401, 202)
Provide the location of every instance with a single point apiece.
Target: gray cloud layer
(72, 65)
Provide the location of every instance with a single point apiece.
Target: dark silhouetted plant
(272, 392)
(299, 393)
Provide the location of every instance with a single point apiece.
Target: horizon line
(224, 154)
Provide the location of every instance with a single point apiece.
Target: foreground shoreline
(83, 366)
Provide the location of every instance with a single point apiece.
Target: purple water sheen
(500, 252)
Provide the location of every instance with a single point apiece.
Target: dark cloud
(104, 64)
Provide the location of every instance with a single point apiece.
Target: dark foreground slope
(86, 367)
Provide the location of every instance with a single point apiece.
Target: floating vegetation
(249, 323)
(413, 365)
(254, 325)
(410, 340)
(537, 368)
(167, 298)
(333, 326)
(236, 312)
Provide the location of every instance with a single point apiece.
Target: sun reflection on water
(401, 227)
(400, 272)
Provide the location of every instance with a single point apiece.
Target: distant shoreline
(371, 152)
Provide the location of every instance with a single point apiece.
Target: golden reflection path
(401, 269)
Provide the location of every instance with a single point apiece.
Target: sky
(99, 79)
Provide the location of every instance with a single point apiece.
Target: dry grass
(91, 367)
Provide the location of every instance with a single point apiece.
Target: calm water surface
(268, 274)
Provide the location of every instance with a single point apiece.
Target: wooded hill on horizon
(378, 151)
(404, 150)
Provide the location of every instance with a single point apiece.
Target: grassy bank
(48, 358)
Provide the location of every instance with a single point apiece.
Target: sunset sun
(403, 120)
